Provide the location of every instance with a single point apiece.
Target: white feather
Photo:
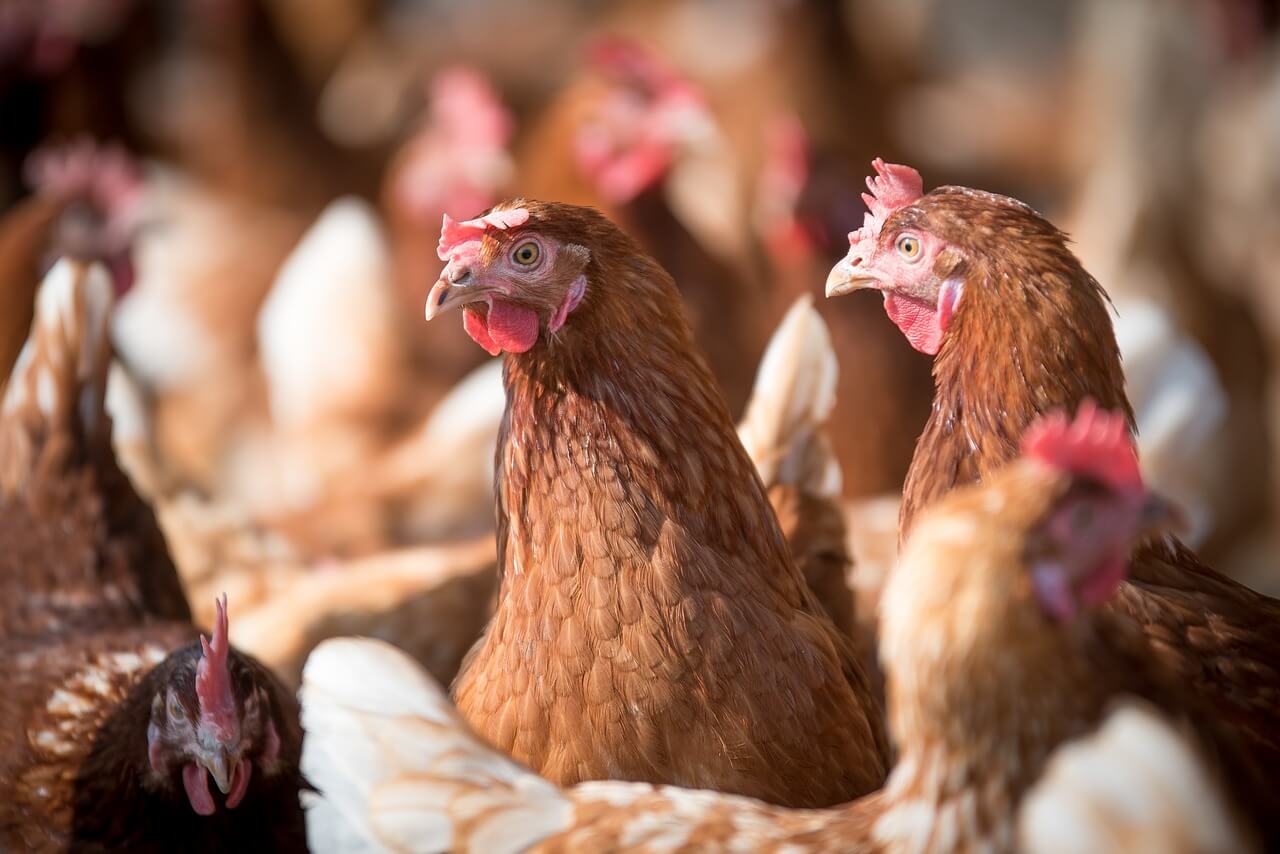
(794, 393)
(398, 770)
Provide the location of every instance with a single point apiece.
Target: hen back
(78, 547)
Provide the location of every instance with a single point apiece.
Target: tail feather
(396, 769)
(794, 393)
(59, 380)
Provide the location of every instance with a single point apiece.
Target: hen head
(211, 716)
(101, 187)
(643, 120)
(514, 272)
(1043, 540)
(458, 160)
(1077, 553)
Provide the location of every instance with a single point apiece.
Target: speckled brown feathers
(651, 623)
(1033, 333)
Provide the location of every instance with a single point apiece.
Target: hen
(1018, 327)
(114, 713)
(995, 653)
(651, 624)
(78, 543)
(434, 601)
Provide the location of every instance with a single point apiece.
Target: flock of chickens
(285, 566)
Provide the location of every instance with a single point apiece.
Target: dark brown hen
(651, 623)
(114, 717)
(1019, 328)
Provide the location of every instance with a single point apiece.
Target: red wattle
(195, 779)
(239, 783)
(508, 327)
(917, 319)
(478, 328)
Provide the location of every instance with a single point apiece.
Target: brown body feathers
(1032, 334)
(651, 623)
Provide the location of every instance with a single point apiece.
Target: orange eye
(175, 710)
(527, 254)
(909, 247)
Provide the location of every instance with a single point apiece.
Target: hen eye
(909, 247)
(526, 254)
(175, 710)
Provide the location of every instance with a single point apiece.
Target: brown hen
(114, 714)
(1019, 327)
(651, 623)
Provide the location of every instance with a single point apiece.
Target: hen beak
(220, 765)
(454, 288)
(847, 277)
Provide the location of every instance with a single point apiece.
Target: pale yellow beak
(845, 278)
(447, 294)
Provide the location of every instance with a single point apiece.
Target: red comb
(894, 187)
(783, 178)
(1096, 443)
(455, 236)
(102, 174)
(465, 104)
(632, 61)
(213, 679)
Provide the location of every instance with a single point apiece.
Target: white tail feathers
(396, 768)
(59, 380)
(794, 393)
(1135, 785)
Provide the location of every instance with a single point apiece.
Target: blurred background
(266, 179)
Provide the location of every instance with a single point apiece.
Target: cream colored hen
(400, 772)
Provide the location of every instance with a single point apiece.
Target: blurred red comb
(213, 678)
(616, 55)
(894, 187)
(1096, 444)
(104, 175)
(465, 101)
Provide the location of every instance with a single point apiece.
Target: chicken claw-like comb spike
(213, 678)
(454, 235)
(1096, 443)
(103, 174)
(893, 187)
